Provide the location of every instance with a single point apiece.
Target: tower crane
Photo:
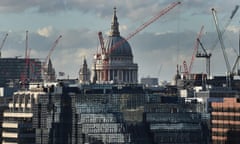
(185, 68)
(196, 45)
(221, 41)
(237, 59)
(106, 53)
(205, 55)
(5, 37)
(226, 25)
(26, 73)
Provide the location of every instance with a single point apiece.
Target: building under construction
(15, 71)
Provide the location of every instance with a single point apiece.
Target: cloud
(234, 29)
(152, 48)
(123, 28)
(45, 31)
(133, 9)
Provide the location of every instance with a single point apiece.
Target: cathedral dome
(122, 48)
(119, 46)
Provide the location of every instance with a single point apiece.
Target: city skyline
(157, 49)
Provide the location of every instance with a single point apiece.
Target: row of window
(221, 117)
(225, 109)
(230, 126)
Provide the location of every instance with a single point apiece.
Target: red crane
(100, 36)
(196, 45)
(144, 25)
(45, 66)
(140, 28)
(25, 75)
(51, 50)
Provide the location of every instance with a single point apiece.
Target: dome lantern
(114, 25)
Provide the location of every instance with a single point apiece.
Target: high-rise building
(115, 61)
(171, 121)
(18, 69)
(3, 106)
(225, 121)
(17, 119)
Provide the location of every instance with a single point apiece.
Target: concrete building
(114, 63)
(17, 125)
(225, 121)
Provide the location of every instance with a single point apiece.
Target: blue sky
(157, 49)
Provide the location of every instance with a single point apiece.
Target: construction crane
(27, 54)
(45, 63)
(106, 54)
(26, 45)
(51, 50)
(26, 73)
(205, 55)
(101, 40)
(221, 42)
(237, 60)
(196, 45)
(153, 19)
(185, 68)
(5, 37)
(226, 25)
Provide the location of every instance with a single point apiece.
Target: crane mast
(237, 60)
(26, 45)
(101, 40)
(204, 55)
(5, 37)
(185, 68)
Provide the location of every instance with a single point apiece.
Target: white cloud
(234, 29)
(123, 28)
(45, 31)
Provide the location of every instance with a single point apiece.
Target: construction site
(107, 105)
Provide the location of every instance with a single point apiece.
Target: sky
(157, 49)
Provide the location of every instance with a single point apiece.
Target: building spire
(114, 25)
